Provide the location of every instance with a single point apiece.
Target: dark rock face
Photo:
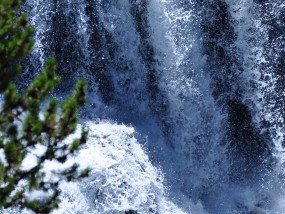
(249, 148)
(65, 48)
(128, 78)
(158, 101)
(98, 40)
(218, 41)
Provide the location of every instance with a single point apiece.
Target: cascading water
(202, 81)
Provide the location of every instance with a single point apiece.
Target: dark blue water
(208, 76)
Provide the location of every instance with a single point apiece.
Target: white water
(122, 177)
(261, 81)
(182, 126)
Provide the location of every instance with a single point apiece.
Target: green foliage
(16, 41)
(24, 125)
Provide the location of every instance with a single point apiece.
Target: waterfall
(200, 82)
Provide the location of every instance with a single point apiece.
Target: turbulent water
(202, 84)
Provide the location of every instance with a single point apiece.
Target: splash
(201, 81)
